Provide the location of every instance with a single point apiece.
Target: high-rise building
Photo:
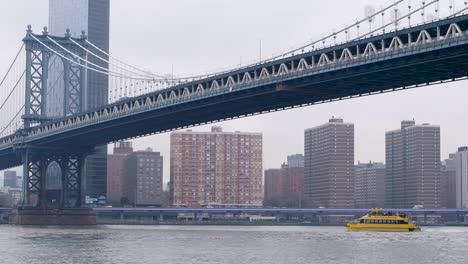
(9, 179)
(329, 165)
(216, 168)
(116, 172)
(143, 179)
(448, 183)
(461, 168)
(93, 17)
(413, 166)
(296, 160)
(369, 185)
(284, 187)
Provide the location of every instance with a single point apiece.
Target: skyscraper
(369, 185)
(216, 168)
(329, 165)
(448, 183)
(9, 179)
(116, 172)
(93, 17)
(461, 168)
(413, 166)
(143, 179)
(296, 160)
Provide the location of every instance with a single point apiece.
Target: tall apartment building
(93, 17)
(461, 168)
(296, 160)
(216, 168)
(9, 179)
(413, 166)
(284, 187)
(369, 185)
(116, 172)
(143, 178)
(329, 165)
(448, 183)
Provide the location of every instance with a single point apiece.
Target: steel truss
(36, 160)
(37, 72)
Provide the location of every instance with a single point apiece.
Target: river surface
(229, 244)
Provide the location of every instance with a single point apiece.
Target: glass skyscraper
(93, 17)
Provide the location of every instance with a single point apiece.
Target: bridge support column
(72, 168)
(36, 207)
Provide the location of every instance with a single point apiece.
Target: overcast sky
(196, 36)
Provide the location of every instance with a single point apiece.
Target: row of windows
(372, 221)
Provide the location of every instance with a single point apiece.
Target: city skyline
(427, 104)
(234, 131)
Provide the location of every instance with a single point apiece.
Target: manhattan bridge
(44, 119)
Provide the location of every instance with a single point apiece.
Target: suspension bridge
(45, 118)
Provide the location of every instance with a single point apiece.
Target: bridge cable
(141, 73)
(24, 104)
(397, 20)
(12, 64)
(77, 63)
(88, 62)
(12, 90)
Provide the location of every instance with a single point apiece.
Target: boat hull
(381, 229)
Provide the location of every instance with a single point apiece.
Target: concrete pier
(80, 216)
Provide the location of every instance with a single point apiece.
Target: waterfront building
(413, 166)
(116, 172)
(369, 185)
(216, 169)
(9, 179)
(461, 168)
(143, 178)
(448, 183)
(329, 165)
(296, 160)
(93, 17)
(284, 187)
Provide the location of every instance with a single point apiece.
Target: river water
(228, 244)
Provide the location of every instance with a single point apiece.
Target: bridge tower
(40, 49)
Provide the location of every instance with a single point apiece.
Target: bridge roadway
(407, 58)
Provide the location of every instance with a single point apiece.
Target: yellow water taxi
(379, 221)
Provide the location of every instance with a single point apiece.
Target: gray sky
(198, 36)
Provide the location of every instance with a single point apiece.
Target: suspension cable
(12, 120)
(107, 61)
(397, 20)
(12, 64)
(88, 62)
(124, 63)
(12, 90)
(76, 63)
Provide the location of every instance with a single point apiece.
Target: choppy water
(227, 244)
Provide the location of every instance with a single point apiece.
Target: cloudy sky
(204, 35)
